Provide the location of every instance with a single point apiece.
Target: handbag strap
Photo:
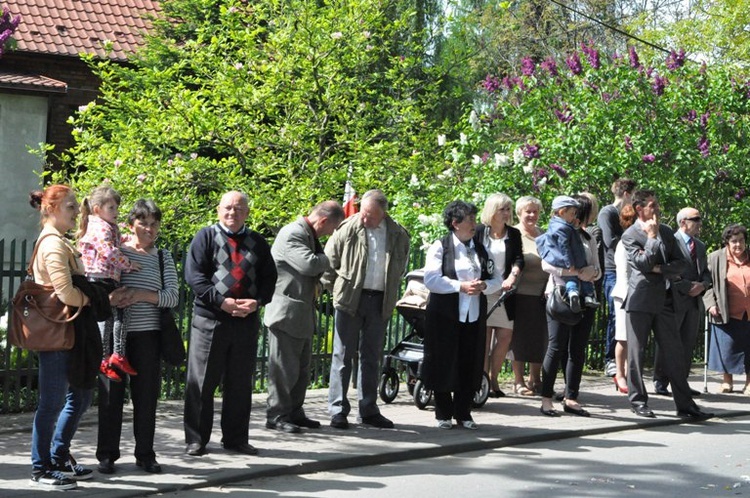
(30, 268)
(161, 267)
(32, 302)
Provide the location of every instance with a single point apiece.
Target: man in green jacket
(368, 255)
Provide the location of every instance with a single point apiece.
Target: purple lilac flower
(559, 170)
(675, 60)
(721, 175)
(725, 148)
(702, 70)
(659, 83)
(528, 66)
(574, 64)
(704, 119)
(530, 151)
(539, 178)
(485, 157)
(628, 143)
(591, 54)
(606, 97)
(740, 194)
(691, 116)
(649, 158)
(564, 115)
(704, 146)
(634, 62)
(491, 83)
(550, 66)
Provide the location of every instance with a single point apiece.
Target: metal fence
(18, 369)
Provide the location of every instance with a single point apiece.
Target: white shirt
(467, 269)
(375, 271)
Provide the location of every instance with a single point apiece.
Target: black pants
(143, 353)
(221, 352)
(566, 341)
(458, 403)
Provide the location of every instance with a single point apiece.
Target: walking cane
(705, 353)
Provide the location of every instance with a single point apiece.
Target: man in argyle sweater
(232, 274)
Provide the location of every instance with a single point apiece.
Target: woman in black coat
(504, 247)
(458, 273)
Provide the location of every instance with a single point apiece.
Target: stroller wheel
(389, 385)
(422, 395)
(480, 397)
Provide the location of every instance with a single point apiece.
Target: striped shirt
(145, 316)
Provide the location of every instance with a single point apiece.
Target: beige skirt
(499, 317)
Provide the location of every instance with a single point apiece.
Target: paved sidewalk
(508, 421)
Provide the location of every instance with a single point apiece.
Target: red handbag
(40, 321)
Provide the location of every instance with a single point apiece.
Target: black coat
(86, 355)
(440, 371)
(513, 257)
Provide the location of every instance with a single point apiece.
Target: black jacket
(86, 355)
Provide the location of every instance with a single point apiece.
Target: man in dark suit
(688, 305)
(656, 262)
(290, 316)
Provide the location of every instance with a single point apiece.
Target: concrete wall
(23, 125)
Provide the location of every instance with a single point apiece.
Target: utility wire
(613, 28)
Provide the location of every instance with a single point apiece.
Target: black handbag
(170, 337)
(559, 309)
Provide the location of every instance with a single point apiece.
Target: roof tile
(86, 24)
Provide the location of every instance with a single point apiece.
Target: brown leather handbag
(41, 322)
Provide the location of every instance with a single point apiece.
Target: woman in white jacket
(619, 292)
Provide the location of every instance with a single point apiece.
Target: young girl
(99, 242)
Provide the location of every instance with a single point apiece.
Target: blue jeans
(59, 411)
(608, 284)
(572, 284)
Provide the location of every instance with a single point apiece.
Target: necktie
(691, 248)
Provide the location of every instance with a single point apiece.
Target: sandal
(746, 391)
(522, 390)
(726, 388)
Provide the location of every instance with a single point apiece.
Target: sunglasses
(694, 218)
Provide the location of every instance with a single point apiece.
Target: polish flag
(350, 200)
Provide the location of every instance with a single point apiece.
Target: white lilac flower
(336, 35)
(194, 155)
(238, 66)
(441, 140)
(518, 156)
(366, 34)
(141, 178)
(448, 173)
(474, 120)
(463, 139)
(416, 205)
(541, 182)
(423, 219)
(501, 160)
(475, 159)
(118, 163)
(528, 169)
(455, 155)
(476, 197)
(414, 181)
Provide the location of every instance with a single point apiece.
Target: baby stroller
(409, 353)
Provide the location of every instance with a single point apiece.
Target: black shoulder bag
(171, 344)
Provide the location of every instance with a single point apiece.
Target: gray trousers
(664, 325)
(688, 321)
(362, 333)
(289, 361)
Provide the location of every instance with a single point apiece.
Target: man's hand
(587, 273)
(696, 289)
(239, 308)
(651, 227)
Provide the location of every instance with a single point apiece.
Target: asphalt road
(711, 459)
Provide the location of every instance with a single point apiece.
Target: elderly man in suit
(290, 316)
(656, 263)
(688, 305)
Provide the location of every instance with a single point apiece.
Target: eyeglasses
(696, 219)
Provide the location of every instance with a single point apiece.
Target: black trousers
(566, 343)
(143, 354)
(457, 404)
(221, 352)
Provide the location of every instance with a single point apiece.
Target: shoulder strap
(161, 267)
(29, 269)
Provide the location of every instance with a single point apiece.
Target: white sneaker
(51, 479)
(469, 424)
(444, 424)
(72, 470)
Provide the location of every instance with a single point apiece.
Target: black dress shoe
(339, 421)
(106, 466)
(661, 390)
(244, 448)
(642, 411)
(694, 393)
(150, 466)
(283, 426)
(378, 421)
(496, 394)
(694, 412)
(195, 449)
(575, 411)
(550, 413)
(307, 423)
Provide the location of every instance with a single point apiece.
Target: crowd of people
(654, 280)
